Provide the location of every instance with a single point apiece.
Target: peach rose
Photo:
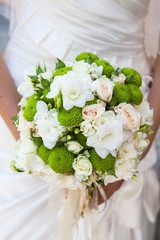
(93, 111)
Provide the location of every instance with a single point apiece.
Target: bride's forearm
(154, 98)
(9, 98)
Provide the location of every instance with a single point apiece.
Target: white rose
(104, 88)
(145, 112)
(129, 115)
(127, 151)
(74, 147)
(81, 66)
(87, 128)
(109, 136)
(125, 168)
(82, 167)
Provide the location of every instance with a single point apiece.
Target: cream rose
(92, 112)
(104, 88)
(129, 115)
(121, 78)
(82, 167)
(145, 112)
(74, 147)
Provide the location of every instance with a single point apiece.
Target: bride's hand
(109, 190)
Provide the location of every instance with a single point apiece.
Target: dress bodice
(49, 29)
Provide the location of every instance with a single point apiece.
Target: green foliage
(82, 140)
(122, 93)
(87, 57)
(59, 64)
(113, 102)
(107, 67)
(70, 118)
(44, 152)
(47, 100)
(132, 76)
(30, 109)
(15, 119)
(61, 160)
(100, 164)
(39, 69)
(62, 71)
(136, 94)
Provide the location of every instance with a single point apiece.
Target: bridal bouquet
(81, 123)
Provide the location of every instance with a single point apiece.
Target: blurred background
(4, 37)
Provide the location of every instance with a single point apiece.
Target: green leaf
(17, 169)
(60, 64)
(89, 60)
(112, 172)
(143, 128)
(33, 77)
(37, 140)
(44, 82)
(149, 132)
(15, 119)
(128, 77)
(116, 72)
(101, 181)
(39, 69)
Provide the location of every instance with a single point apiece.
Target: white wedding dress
(44, 30)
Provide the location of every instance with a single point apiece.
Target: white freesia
(75, 89)
(82, 167)
(26, 88)
(127, 151)
(74, 147)
(34, 163)
(96, 71)
(145, 112)
(47, 125)
(129, 115)
(120, 79)
(109, 135)
(87, 128)
(104, 88)
(91, 112)
(46, 75)
(23, 102)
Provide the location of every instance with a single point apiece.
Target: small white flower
(127, 151)
(140, 142)
(129, 115)
(74, 147)
(26, 88)
(47, 125)
(91, 112)
(104, 88)
(46, 75)
(87, 128)
(96, 71)
(121, 78)
(34, 163)
(145, 112)
(82, 167)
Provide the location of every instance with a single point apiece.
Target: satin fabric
(48, 29)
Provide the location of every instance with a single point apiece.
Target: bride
(44, 30)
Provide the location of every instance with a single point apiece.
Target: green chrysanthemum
(30, 109)
(61, 160)
(94, 101)
(136, 94)
(44, 152)
(85, 55)
(122, 93)
(70, 118)
(100, 164)
(107, 67)
(133, 76)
